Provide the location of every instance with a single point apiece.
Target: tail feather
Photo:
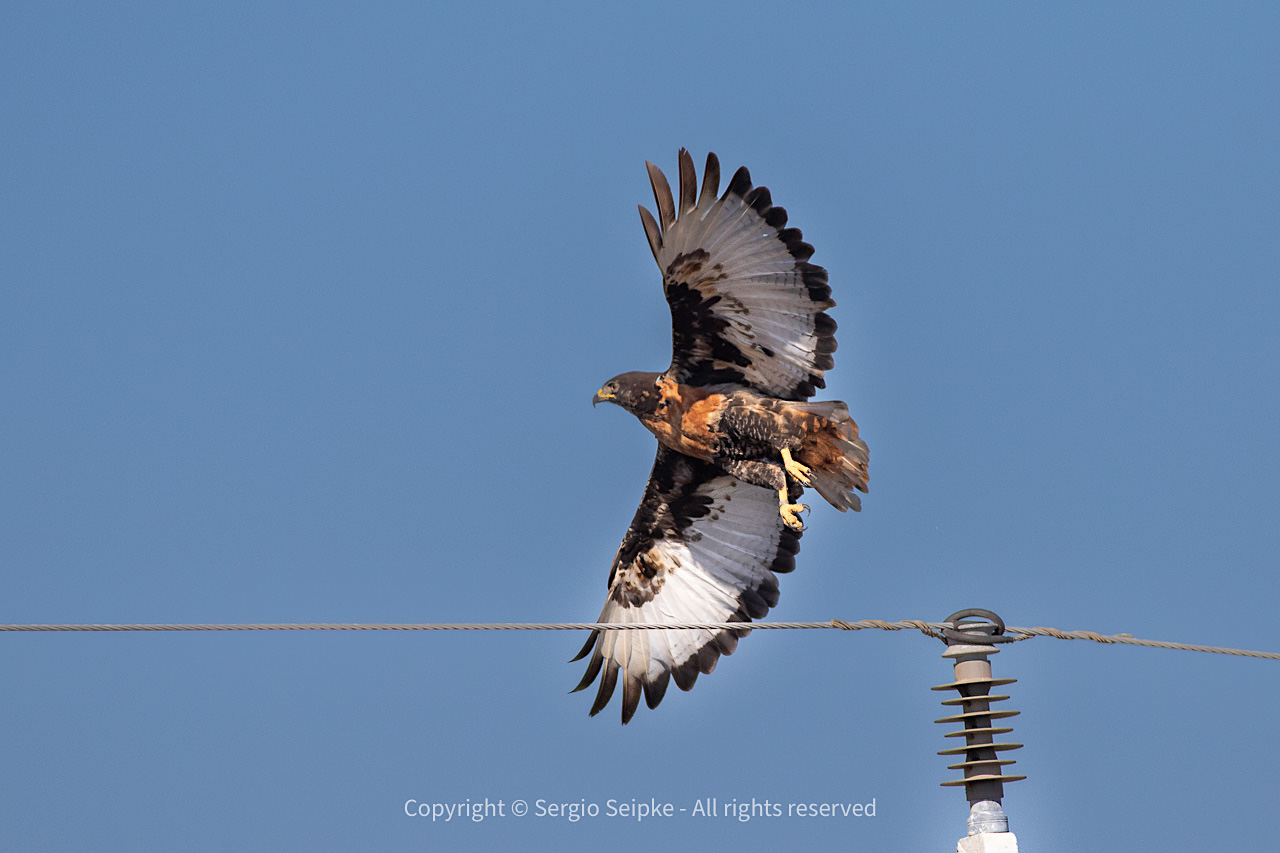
(836, 457)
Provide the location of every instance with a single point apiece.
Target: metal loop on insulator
(989, 630)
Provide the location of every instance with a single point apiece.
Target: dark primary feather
(688, 183)
(651, 231)
(710, 179)
(662, 196)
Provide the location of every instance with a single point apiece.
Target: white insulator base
(988, 842)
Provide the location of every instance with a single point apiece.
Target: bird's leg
(770, 475)
(794, 468)
(789, 511)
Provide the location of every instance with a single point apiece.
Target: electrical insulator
(968, 646)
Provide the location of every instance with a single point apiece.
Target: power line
(932, 629)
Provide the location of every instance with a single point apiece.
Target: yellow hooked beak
(601, 396)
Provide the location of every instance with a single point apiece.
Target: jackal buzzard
(737, 441)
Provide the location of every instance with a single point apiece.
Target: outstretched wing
(747, 307)
(703, 547)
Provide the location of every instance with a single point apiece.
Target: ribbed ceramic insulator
(984, 775)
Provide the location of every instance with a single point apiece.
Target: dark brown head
(636, 392)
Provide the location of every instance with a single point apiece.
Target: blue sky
(303, 307)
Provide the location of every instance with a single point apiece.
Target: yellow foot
(790, 515)
(795, 469)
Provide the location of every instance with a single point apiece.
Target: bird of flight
(737, 441)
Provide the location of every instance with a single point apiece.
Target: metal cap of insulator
(971, 636)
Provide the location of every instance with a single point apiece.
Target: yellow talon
(790, 515)
(795, 469)
(790, 512)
